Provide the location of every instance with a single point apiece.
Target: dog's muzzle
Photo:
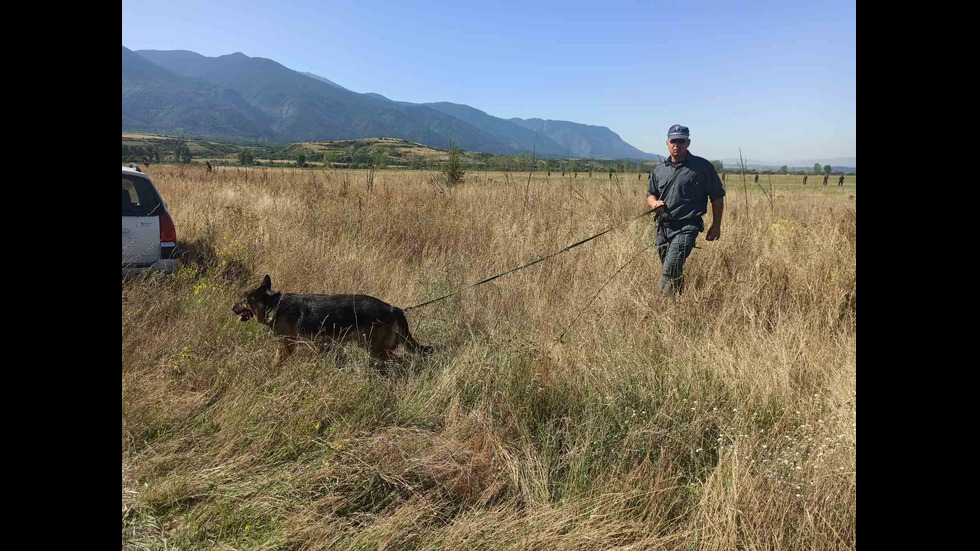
(244, 314)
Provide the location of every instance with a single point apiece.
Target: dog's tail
(405, 336)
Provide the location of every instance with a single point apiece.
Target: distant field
(198, 148)
(733, 180)
(390, 144)
(140, 136)
(394, 153)
(722, 420)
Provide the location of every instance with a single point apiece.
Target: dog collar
(270, 316)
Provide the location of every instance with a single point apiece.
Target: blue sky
(776, 79)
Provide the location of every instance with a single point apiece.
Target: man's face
(678, 147)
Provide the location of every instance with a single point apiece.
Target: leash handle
(664, 216)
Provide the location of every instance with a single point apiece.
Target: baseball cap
(678, 131)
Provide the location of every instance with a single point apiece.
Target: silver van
(149, 238)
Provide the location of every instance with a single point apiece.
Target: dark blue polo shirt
(685, 187)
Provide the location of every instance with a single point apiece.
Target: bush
(182, 154)
(245, 157)
(453, 169)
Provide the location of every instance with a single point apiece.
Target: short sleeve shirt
(685, 187)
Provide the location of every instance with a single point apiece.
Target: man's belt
(676, 224)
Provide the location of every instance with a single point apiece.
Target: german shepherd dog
(328, 320)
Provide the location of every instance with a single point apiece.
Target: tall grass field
(723, 419)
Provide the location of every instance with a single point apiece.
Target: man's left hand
(714, 232)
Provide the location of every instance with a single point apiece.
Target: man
(679, 191)
(804, 179)
(841, 181)
(825, 176)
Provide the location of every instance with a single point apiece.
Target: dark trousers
(674, 245)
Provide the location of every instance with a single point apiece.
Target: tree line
(356, 154)
(156, 154)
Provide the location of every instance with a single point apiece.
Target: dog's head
(253, 302)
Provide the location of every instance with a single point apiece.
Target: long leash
(532, 263)
(584, 308)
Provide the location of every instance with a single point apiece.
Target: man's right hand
(714, 232)
(656, 205)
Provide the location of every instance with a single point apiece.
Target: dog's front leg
(284, 349)
(324, 346)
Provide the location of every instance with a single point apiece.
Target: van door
(141, 206)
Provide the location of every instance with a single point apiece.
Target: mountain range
(252, 98)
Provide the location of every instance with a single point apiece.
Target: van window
(139, 198)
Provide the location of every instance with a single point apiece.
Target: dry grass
(725, 419)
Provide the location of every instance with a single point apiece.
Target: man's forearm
(717, 209)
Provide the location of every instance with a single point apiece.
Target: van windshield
(138, 197)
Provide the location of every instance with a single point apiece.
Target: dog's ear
(267, 282)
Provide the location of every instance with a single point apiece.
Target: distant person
(825, 177)
(757, 177)
(723, 177)
(679, 191)
(804, 179)
(207, 166)
(841, 181)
